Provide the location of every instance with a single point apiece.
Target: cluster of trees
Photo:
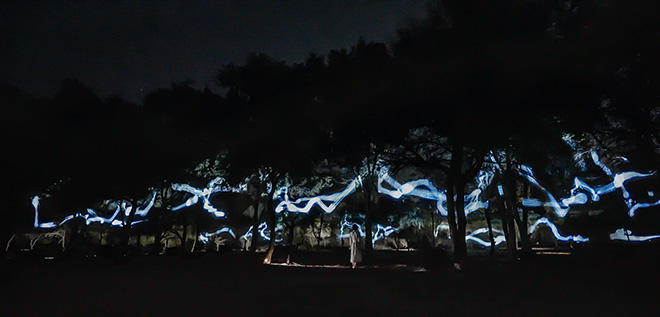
(472, 78)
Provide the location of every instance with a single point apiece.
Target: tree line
(472, 82)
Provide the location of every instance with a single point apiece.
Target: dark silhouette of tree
(362, 115)
(495, 77)
(275, 136)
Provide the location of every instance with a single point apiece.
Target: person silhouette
(354, 243)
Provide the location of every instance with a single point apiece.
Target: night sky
(133, 47)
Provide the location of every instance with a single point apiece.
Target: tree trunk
(270, 208)
(192, 249)
(432, 227)
(490, 232)
(512, 204)
(462, 221)
(184, 239)
(509, 232)
(368, 220)
(451, 212)
(255, 221)
(291, 232)
(455, 205)
(126, 230)
(320, 231)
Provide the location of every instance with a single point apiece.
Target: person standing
(354, 243)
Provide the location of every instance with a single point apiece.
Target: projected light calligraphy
(92, 217)
(380, 232)
(578, 195)
(555, 231)
(263, 227)
(206, 236)
(626, 235)
(327, 203)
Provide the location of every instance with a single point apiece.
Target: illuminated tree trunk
(368, 220)
(509, 231)
(512, 204)
(272, 215)
(490, 231)
(185, 234)
(126, 230)
(320, 231)
(291, 232)
(457, 210)
(255, 221)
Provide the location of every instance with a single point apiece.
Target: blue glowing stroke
(555, 231)
(263, 227)
(203, 194)
(328, 203)
(578, 195)
(205, 236)
(423, 188)
(473, 237)
(499, 238)
(37, 224)
(380, 232)
(626, 235)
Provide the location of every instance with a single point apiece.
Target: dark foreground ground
(621, 284)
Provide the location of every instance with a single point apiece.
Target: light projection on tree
(555, 231)
(580, 194)
(423, 188)
(378, 234)
(499, 238)
(206, 236)
(626, 235)
(580, 190)
(327, 203)
(263, 227)
(92, 217)
(214, 186)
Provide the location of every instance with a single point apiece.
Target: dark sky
(133, 47)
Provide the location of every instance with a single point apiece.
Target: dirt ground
(236, 284)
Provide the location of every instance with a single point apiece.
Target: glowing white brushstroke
(626, 235)
(499, 238)
(204, 194)
(45, 225)
(423, 188)
(205, 236)
(578, 195)
(555, 231)
(378, 234)
(145, 211)
(596, 159)
(473, 237)
(328, 203)
(263, 227)
(633, 209)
